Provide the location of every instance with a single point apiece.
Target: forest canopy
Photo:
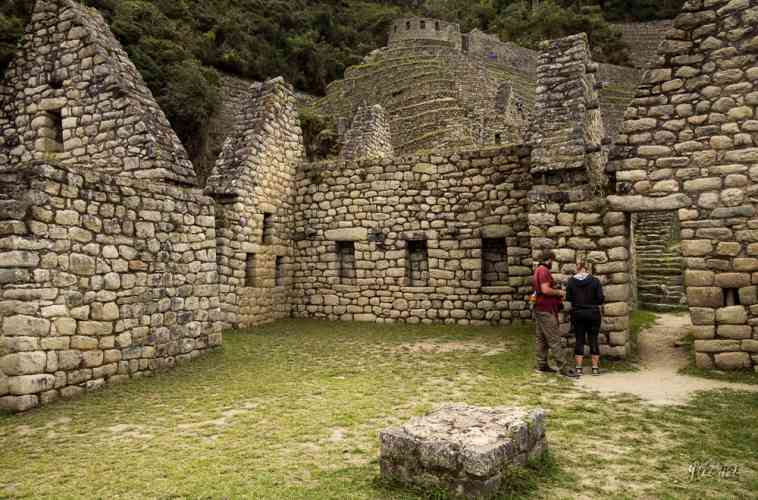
(180, 45)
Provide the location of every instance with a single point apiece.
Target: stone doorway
(658, 262)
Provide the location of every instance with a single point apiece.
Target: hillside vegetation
(180, 45)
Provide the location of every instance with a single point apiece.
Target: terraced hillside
(433, 94)
(437, 95)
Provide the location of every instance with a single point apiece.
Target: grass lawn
(292, 410)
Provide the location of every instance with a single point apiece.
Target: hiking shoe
(579, 371)
(570, 373)
(595, 370)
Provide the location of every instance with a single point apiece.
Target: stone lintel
(347, 234)
(639, 203)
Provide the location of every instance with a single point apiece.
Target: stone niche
(461, 449)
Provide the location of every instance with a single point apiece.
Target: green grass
(292, 410)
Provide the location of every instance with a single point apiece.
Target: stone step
(652, 306)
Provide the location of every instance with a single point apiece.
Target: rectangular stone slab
(462, 449)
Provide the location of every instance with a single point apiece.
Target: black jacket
(586, 297)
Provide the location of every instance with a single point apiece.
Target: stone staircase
(660, 267)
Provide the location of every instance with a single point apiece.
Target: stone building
(113, 264)
(252, 185)
(107, 252)
(690, 149)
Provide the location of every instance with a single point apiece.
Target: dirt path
(658, 381)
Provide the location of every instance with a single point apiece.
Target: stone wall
(691, 144)
(74, 96)
(102, 277)
(369, 136)
(568, 212)
(419, 221)
(252, 185)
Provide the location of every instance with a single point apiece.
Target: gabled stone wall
(73, 96)
(568, 212)
(253, 187)
(691, 144)
(369, 136)
(446, 204)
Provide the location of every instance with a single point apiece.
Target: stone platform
(462, 449)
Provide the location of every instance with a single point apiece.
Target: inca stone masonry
(116, 262)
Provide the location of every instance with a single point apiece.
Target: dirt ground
(658, 381)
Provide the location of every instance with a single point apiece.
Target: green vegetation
(178, 45)
(292, 410)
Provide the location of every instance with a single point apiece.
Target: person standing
(585, 293)
(548, 303)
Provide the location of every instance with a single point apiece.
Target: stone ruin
(115, 262)
(466, 451)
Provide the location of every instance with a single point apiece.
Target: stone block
(699, 278)
(23, 363)
(704, 361)
(19, 403)
(26, 326)
(717, 345)
(733, 361)
(733, 315)
(30, 384)
(461, 449)
(732, 280)
(748, 295)
(735, 331)
(711, 297)
(702, 316)
(703, 332)
(346, 234)
(697, 248)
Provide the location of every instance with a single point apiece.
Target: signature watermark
(712, 470)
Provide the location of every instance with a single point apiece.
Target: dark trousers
(586, 330)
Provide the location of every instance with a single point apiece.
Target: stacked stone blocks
(465, 451)
(691, 144)
(568, 213)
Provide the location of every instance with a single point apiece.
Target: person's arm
(548, 290)
(570, 290)
(600, 294)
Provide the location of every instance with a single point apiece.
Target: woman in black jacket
(585, 293)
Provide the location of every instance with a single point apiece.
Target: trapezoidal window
(408, 25)
(494, 262)
(417, 263)
(279, 271)
(51, 131)
(346, 262)
(437, 25)
(250, 270)
(267, 233)
(423, 25)
(498, 138)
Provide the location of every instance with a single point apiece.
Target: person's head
(547, 257)
(583, 266)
